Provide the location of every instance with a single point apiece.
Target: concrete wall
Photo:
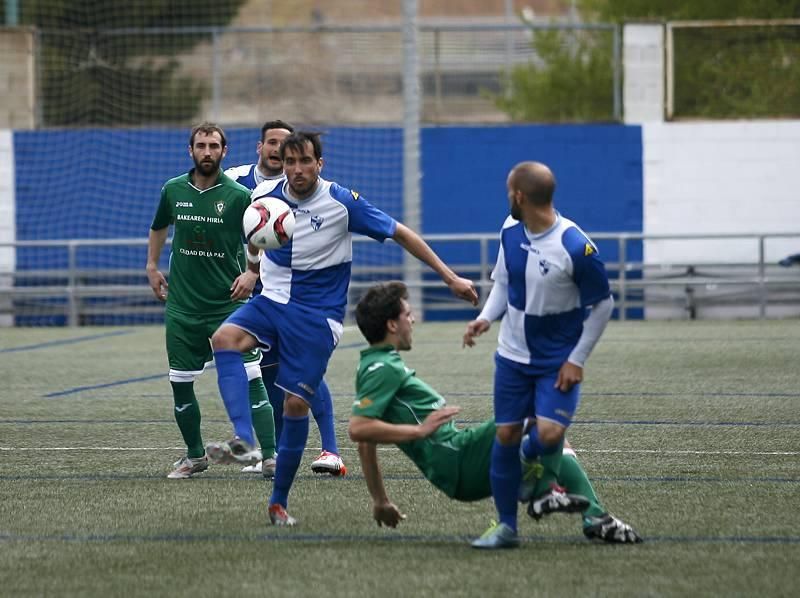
(710, 178)
(643, 84)
(7, 222)
(17, 74)
(724, 177)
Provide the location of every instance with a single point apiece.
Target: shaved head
(534, 180)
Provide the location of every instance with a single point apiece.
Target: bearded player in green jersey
(393, 406)
(209, 279)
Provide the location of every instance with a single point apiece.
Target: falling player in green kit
(393, 406)
(209, 279)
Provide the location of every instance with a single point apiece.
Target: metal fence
(744, 68)
(77, 296)
(306, 74)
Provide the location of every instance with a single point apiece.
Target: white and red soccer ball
(268, 223)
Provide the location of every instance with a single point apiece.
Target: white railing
(689, 284)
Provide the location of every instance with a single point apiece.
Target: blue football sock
(323, 415)
(276, 398)
(232, 382)
(505, 477)
(290, 453)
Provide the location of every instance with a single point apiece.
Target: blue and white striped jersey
(551, 279)
(249, 176)
(313, 269)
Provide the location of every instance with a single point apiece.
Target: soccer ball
(268, 223)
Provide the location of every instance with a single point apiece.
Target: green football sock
(263, 421)
(551, 470)
(576, 481)
(187, 415)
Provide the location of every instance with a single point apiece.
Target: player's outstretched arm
(383, 510)
(372, 429)
(155, 244)
(416, 246)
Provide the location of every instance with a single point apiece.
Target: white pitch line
(349, 449)
(663, 452)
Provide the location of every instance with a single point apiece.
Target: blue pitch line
(466, 422)
(353, 538)
(654, 341)
(592, 422)
(70, 391)
(358, 478)
(788, 395)
(66, 341)
(485, 394)
(700, 340)
(693, 394)
(78, 389)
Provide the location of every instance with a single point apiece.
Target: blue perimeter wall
(598, 171)
(112, 179)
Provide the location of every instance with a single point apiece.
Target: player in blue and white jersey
(552, 291)
(270, 168)
(301, 307)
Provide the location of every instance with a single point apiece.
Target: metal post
(762, 283)
(617, 68)
(623, 287)
(38, 106)
(216, 85)
(669, 56)
(72, 283)
(509, 10)
(437, 72)
(484, 281)
(412, 212)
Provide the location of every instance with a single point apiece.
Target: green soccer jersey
(455, 461)
(207, 247)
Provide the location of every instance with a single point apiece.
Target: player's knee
(549, 433)
(227, 338)
(294, 406)
(354, 431)
(507, 435)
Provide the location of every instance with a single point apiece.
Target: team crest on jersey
(544, 267)
(588, 250)
(354, 194)
(316, 222)
(219, 206)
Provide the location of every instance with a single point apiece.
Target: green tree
(724, 72)
(626, 10)
(569, 80)
(719, 72)
(94, 72)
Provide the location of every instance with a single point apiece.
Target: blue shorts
(300, 340)
(521, 390)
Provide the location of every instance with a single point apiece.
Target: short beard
(305, 193)
(270, 172)
(207, 170)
